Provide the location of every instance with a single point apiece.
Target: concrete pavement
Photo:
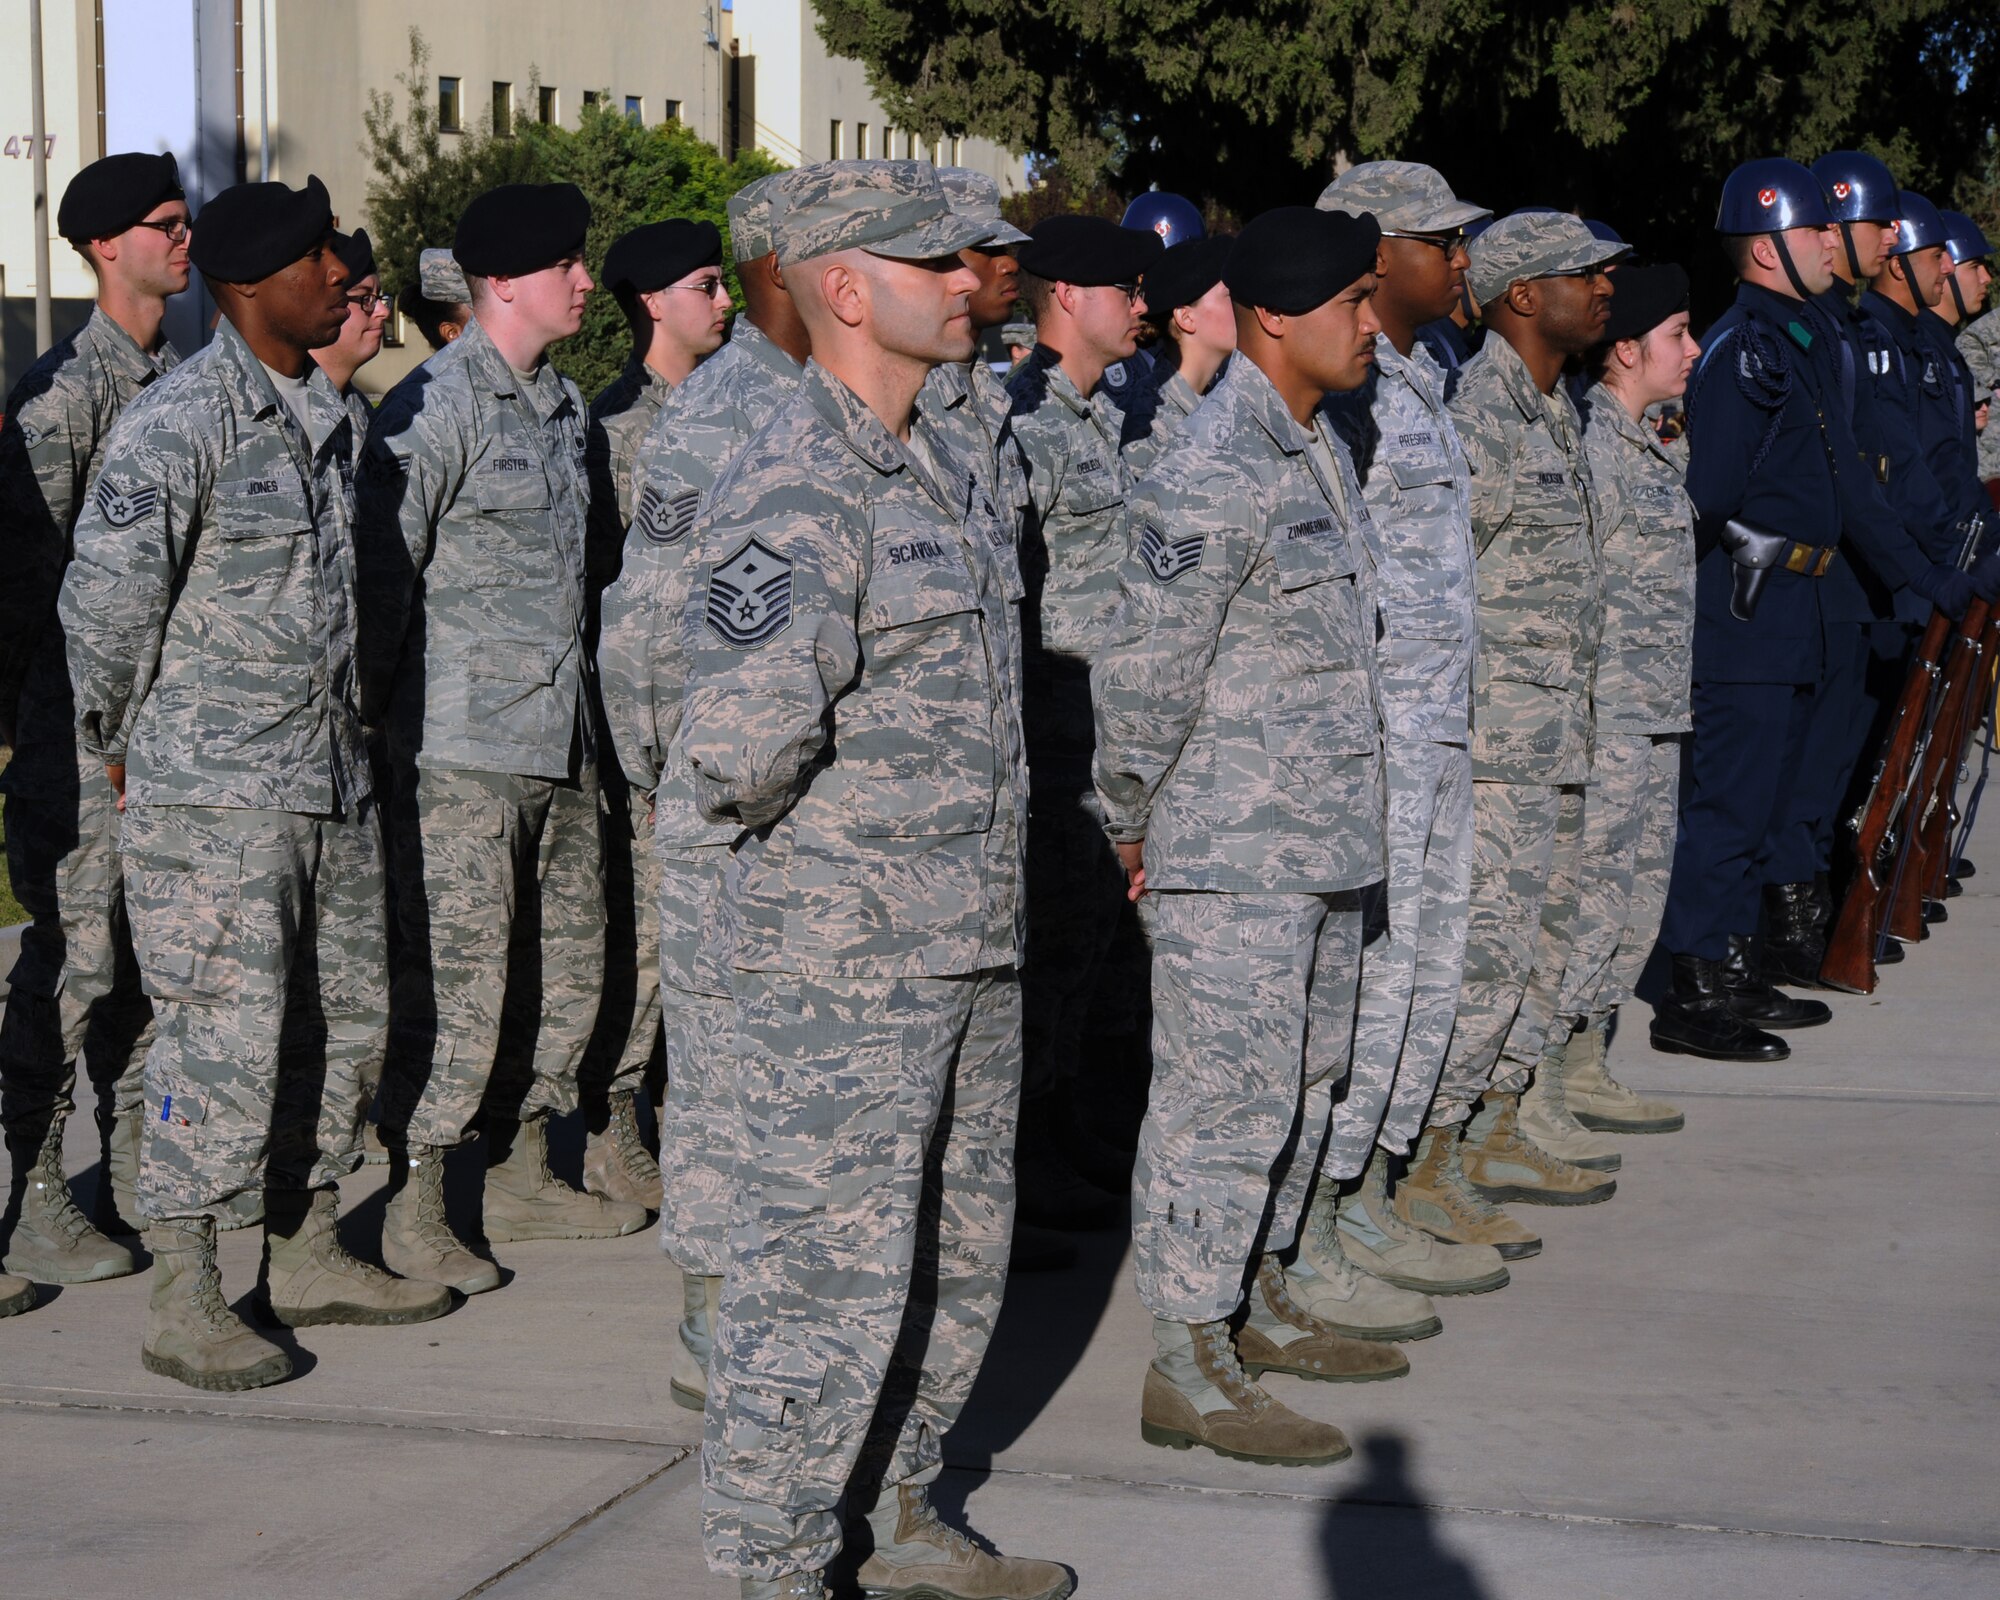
(1768, 1366)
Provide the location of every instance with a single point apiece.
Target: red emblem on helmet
(1842, 190)
(1163, 228)
(1767, 197)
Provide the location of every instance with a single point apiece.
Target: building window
(548, 108)
(503, 110)
(670, 111)
(589, 98)
(834, 150)
(957, 151)
(913, 149)
(937, 152)
(449, 116)
(635, 110)
(861, 141)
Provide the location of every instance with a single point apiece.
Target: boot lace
(205, 1297)
(929, 1528)
(1457, 1194)
(59, 1210)
(626, 1143)
(1217, 1359)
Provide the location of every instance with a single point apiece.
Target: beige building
(247, 89)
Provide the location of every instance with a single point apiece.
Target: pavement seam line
(1578, 1518)
(578, 1523)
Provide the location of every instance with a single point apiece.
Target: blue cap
(1770, 195)
(1964, 239)
(1173, 218)
(1921, 226)
(1858, 187)
(1604, 231)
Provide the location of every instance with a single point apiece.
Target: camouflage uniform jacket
(1979, 343)
(620, 418)
(1413, 469)
(53, 430)
(853, 700)
(1646, 662)
(1155, 419)
(1237, 724)
(710, 418)
(210, 609)
(472, 533)
(1540, 592)
(1073, 535)
(967, 406)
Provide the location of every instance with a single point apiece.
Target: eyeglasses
(1450, 243)
(708, 288)
(175, 228)
(366, 299)
(1590, 273)
(1129, 290)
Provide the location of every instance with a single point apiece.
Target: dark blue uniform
(1771, 443)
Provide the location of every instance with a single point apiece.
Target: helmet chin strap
(1790, 266)
(1951, 283)
(1853, 260)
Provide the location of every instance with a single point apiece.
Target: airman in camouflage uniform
(210, 617)
(1539, 277)
(699, 432)
(1239, 751)
(647, 268)
(1419, 535)
(1064, 438)
(1631, 808)
(852, 703)
(74, 990)
(1187, 302)
(1979, 343)
(472, 556)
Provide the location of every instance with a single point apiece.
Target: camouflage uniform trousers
(1410, 972)
(1540, 1017)
(262, 938)
(1253, 1021)
(698, 1127)
(1514, 853)
(500, 930)
(627, 1039)
(1629, 818)
(869, 1249)
(1075, 893)
(74, 991)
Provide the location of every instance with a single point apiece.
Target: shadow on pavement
(1378, 1541)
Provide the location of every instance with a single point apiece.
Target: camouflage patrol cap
(1018, 333)
(896, 209)
(975, 196)
(1533, 244)
(441, 279)
(750, 219)
(1402, 196)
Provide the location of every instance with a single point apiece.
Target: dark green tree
(1628, 109)
(630, 174)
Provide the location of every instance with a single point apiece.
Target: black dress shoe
(1890, 953)
(1965, 868)
(1697, 1020)
(1934, 912)
(1756, 1000)
(1953, 888)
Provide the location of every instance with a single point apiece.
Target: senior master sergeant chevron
(852, 701)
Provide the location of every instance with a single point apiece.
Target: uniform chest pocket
(1311, 547)
(511, 483)
(1417, 472)
(1091, 486)
(918, 577)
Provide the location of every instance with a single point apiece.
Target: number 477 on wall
(21, 146)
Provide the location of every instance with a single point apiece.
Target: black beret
(520, 228)
(356, 253)
(108, 196)
(655, 254)
(255, 229)
(1088, 251)
(1295, 258)
(1185, 273)
(1643, 298)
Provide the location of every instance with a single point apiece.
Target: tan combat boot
(1382, 1245)
(1545, 1119)
(417, 1241)
(191, 1334)
(1503, 1164)
(693, 1346)
(1600, 1101)
(116, 1209)
(53, 1242)
(1280, 1336)
(16, 1295)
(524, 1200)
(1198, 1394)
(917, 1557)
(616, 1162)
(310, 1278)
(1330, 1287)
(1435, 1197)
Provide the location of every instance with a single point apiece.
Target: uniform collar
(840, 408)
(120, 350)
(1258, 397)
(756, 345)
(1419, 369)
(545, 395)
(1519, 383)
(1177, 392)
(248, 383)
(1600, 401)
(1058, 381)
